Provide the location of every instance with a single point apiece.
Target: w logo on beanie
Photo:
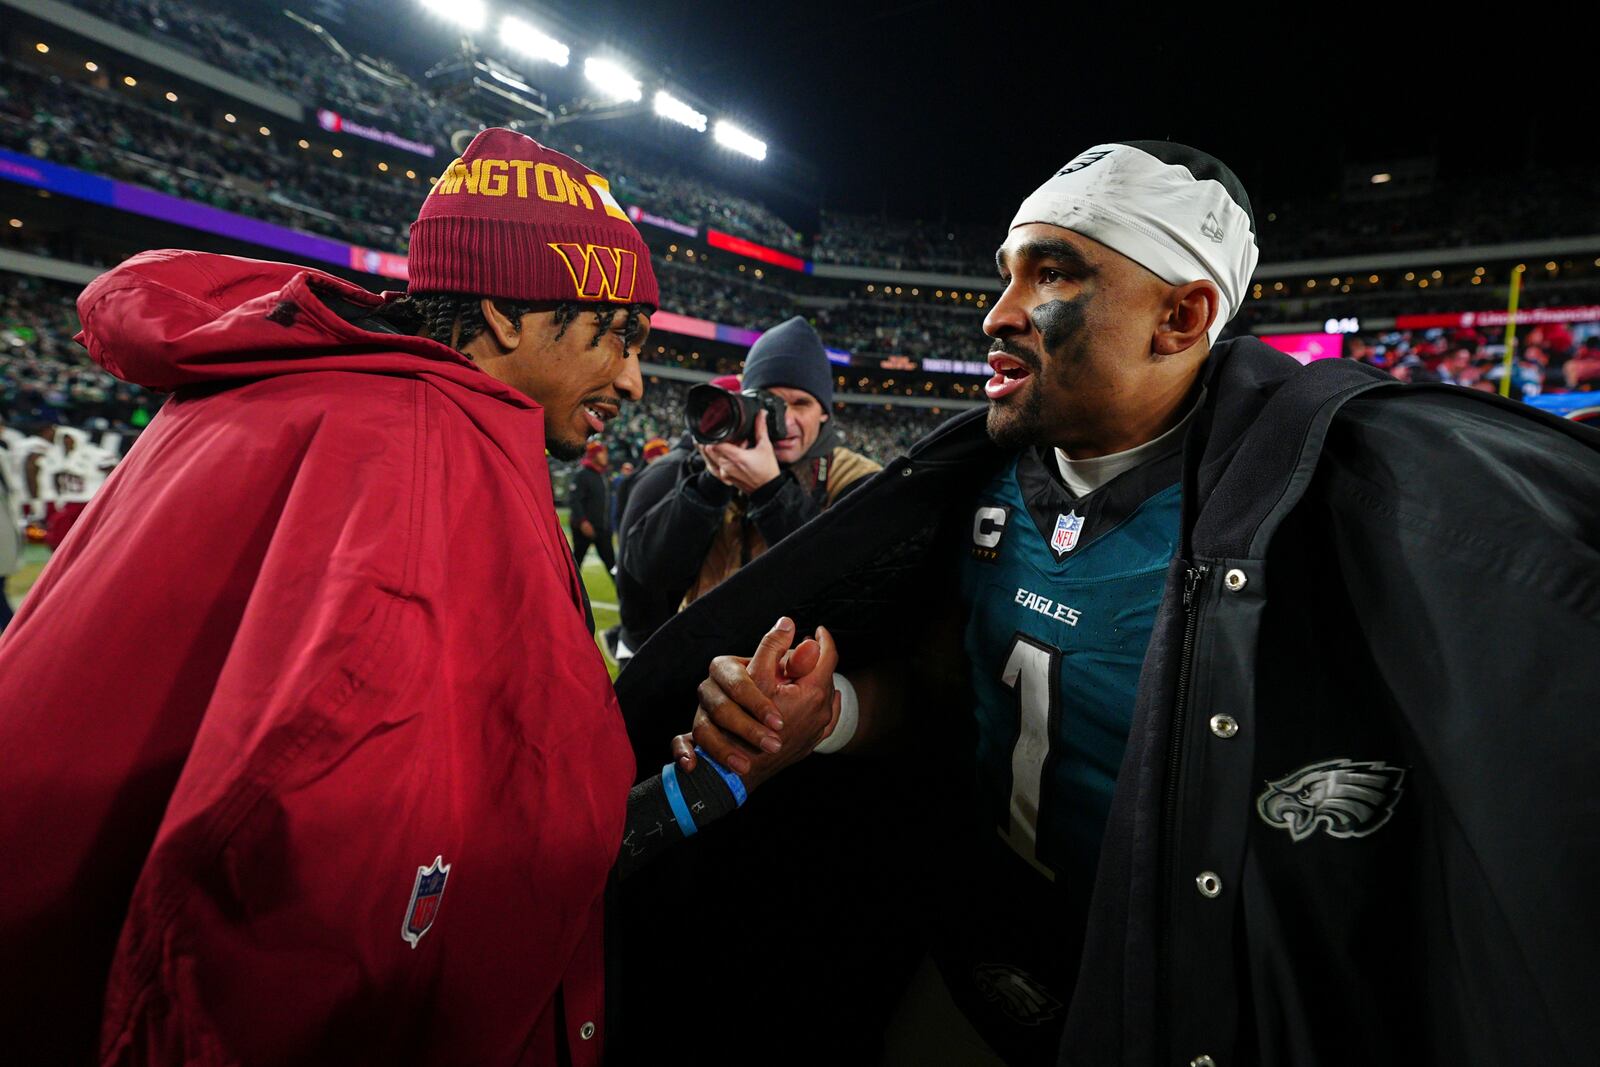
(599, 272)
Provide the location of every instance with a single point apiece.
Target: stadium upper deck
(312, 140)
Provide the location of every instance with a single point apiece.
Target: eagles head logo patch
(1343, 797)
(1015, 992)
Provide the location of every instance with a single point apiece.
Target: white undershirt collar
(1084, 476)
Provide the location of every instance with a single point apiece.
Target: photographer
(735, 498)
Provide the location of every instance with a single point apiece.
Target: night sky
(956, 111)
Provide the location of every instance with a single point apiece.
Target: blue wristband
(734, 782)
(680, 809)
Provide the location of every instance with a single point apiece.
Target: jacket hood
(171, 318)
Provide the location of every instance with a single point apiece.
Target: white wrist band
(849, 716)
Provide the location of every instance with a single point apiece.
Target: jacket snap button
(586, 1031)
(1202, 1061)
(1210, 885)
(1235, 580)
(1224, 726)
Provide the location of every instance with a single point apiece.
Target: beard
(565, 449)
(1019, 421)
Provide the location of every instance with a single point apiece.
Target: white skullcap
(1177, 212)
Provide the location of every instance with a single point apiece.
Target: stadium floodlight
(468, 14)
(670, 107)
(730, 136)
(532, 42)
(612, 80)
(1382, 179)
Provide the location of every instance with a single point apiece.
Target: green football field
(602, 593)
(602, 596)
(33, 560)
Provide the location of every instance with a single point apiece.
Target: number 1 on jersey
(1032, 673)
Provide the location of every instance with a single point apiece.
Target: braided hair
(455, 319)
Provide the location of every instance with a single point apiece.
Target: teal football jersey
(1060, 594)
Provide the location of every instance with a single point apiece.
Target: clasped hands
(760, 714)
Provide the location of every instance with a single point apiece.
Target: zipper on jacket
(1193, 579)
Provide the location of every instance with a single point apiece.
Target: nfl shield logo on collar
(426, 893)
(1068, 527)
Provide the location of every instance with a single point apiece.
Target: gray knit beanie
(790, 354)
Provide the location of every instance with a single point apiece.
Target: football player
(1233, 642)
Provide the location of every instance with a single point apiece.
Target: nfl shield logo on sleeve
(426, 893)
(1068, 527)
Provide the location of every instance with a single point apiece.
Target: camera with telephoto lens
(717, 416)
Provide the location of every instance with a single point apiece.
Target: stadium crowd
(96, 127)
(1487, 209)
(64, 422)
(878, 329)
(720, 297)
(374, 90)
(1451, 295)
(878, 431)
(660, 185)
(46, 378)
(872, 241)
(307, 70)
(1445, 213)
(1549, 358)
(182, 149)
(102, 132)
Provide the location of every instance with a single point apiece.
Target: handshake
(760, 714)
(756, 717)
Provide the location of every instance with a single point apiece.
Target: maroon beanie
(513, 219)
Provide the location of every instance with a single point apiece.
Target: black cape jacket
(1358, 819)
